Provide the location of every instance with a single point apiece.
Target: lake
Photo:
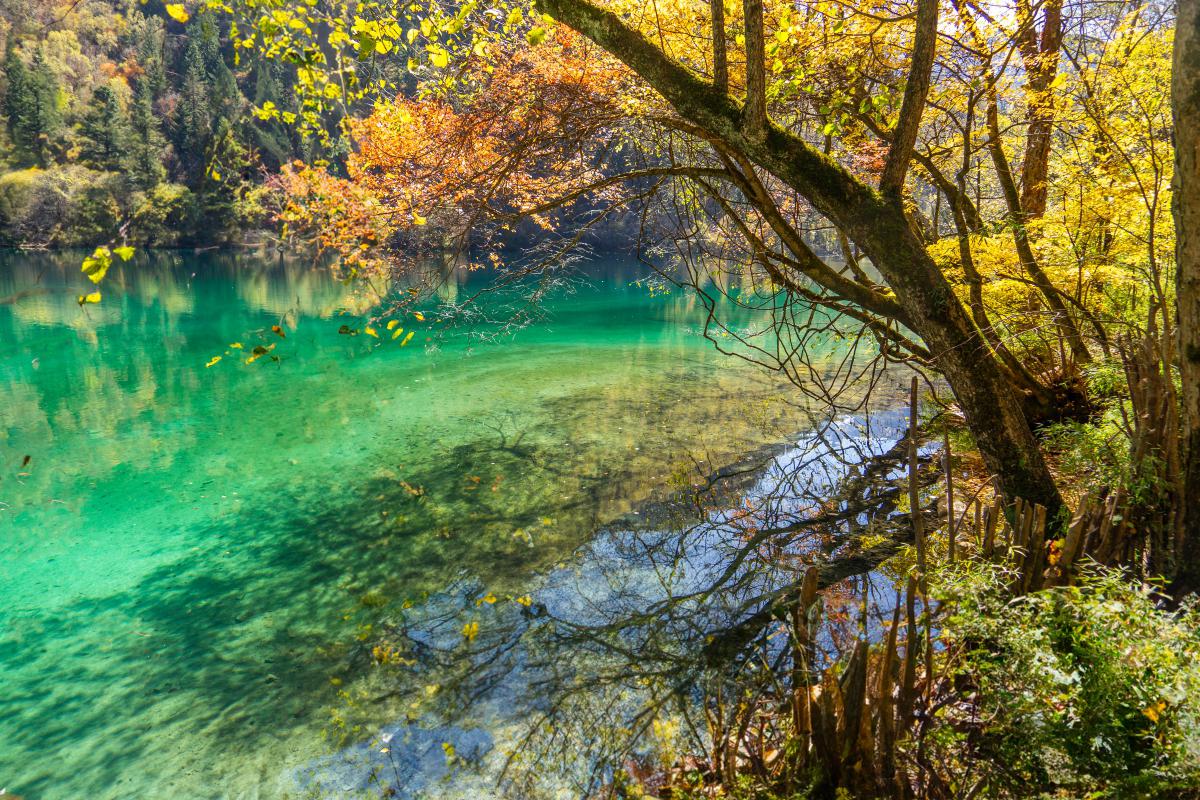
(193, 549)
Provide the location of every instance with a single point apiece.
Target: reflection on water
(192, 554)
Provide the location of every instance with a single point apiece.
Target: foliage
(1094, 687)
(148, 99)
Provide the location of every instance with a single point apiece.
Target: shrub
(166, 213)
(61, 206)
(1090, 688)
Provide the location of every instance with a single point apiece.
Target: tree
(147, 160)
(193, 115)
(17, 97)
(756, 162)
(107, 138)
(1186, 107)
(31, 106)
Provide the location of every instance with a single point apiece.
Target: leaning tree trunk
(876, 222)
(1185, 90)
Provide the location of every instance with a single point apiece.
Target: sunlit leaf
(177, 12)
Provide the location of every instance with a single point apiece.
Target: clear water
(189, 552)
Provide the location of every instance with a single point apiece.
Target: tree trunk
(877, 224)
(754, 112)
(1185, 91)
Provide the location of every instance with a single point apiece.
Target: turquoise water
(189, 553)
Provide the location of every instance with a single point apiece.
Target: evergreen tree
(193, 118)
(148, 155)
(106, 133)
(150, 35)
(31, 107)
(17, 99)
(270, 135)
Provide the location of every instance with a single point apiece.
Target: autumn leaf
(278, 331)
(258, 352)
(94, 297)
(177, 12)
(212, 361)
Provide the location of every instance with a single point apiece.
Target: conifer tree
(149, 147)
(193, 120)
(106, 133)
(31, 107)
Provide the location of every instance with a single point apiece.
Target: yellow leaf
(525, 600)
(397, 333)
(489, 598)
(418, 219)
(407, 339)
(236, 345)
(369, 331)
(470, 631)
(94, 297)
(258, 352)
(177, 12)
(391, 326)
(420, 317)
(212, 361)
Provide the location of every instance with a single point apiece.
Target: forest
(765, 399)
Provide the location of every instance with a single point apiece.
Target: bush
(61, 206)
(166, 213)
(1092, 688)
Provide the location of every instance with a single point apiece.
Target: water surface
(191, 555)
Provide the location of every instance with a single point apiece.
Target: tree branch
(915, 92)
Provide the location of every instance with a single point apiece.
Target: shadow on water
(163, 638)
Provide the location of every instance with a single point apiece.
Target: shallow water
(191, 552)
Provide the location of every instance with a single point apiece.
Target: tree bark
(1185, 91)
(915, 91)
(720, 58)
(878, 224)
(1040, 56)
(754, 113)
